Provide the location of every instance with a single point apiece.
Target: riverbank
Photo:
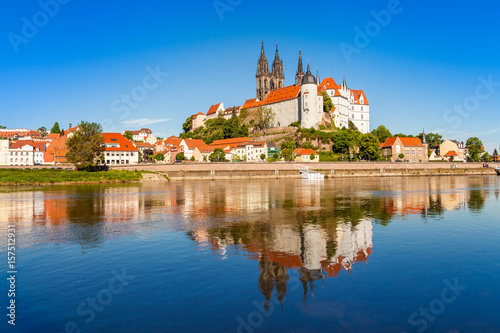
(212, 171)
(45, 176)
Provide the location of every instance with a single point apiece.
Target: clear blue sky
(87, 54)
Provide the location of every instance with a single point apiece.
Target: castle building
(303, 101)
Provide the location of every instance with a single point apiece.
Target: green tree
(188, 124)
(475, 147)
(307, 145)
(55, 128)
(327, 102)
(128, 135)
(401, 156)
(217, 155)
(3, 127)
(287, 154)
(486, 157)
(401, 135)
(369, 147)
(140, 157)
(433, 139)
(180, 157)
(265, 118)
(495, 152)
(262, 156)
(381, 133)
(85, 146)
(352, 127)
(311, 157)
(160, 157)
(192, 158)
(43, 131)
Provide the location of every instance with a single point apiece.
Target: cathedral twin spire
(269, 81)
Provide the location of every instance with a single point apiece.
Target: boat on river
(498, 171)
(309, 174)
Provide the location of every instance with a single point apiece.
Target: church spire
(424, 140)
(300, 71)
(317, 75)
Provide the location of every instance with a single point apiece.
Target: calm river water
(342, 255)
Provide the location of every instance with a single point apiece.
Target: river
(282, 255)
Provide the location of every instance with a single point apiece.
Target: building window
(407, 151)
(420, 151)
(361, 115)
(414, 151)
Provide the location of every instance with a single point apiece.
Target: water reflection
(317, 229)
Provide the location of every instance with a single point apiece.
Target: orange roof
(143, 145)
(52, 136)
(172, 141)
(451, 153)
(213, 109)
(357, 95)
(321, 89)
(117, 138)
(412, 142)
(232, 141)
(198, 114)
(330, 84)
(57, 150)
(251, 103)
(304, 151)
(282, 94)
(197, 143)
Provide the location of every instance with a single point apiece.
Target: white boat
(498, 171)
(308, 174)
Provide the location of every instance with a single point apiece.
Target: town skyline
(414, 80)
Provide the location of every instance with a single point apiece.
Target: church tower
(277, 76)
(300, 71)
(263, 77)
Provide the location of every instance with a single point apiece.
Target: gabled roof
(117, 138)
(410, 142)
(172, 141)
(213, 109)
(232, 141)
(451, 153)
(143, 145)
(357, 95)
(53, 136)
(304, 151)
(197, 143)
(330, 84)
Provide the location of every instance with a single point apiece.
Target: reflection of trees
(476, 201)
(435, 207)
(85, 214)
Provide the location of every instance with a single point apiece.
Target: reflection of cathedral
(315, 252)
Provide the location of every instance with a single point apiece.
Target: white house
(118, 150)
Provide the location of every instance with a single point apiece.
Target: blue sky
(425, 65)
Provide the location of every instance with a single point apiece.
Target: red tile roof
(172, 141)
(213, 109)
(143, 145)
(411, 142)
(196, 143)
(282, 94)
(451, 153)
(330, 84)
(357, 95)
(117, 138)
(251, 103)
(304, 151)
(232, 141)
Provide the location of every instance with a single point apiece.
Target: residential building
(118, 150)
(145, 148)
(21, 153)
(229, 112)
(198, 120)
(4, 152)
(272, 148)
(449, 150)
(304, 155)
(20, 134)
(197, 148)
(412, 149)
(56, 151)
(215, 110)
(140, 135)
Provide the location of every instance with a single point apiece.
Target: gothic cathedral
(269, 81)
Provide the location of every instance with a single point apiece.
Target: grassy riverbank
(55, 176)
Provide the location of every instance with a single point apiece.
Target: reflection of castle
(312, 250)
